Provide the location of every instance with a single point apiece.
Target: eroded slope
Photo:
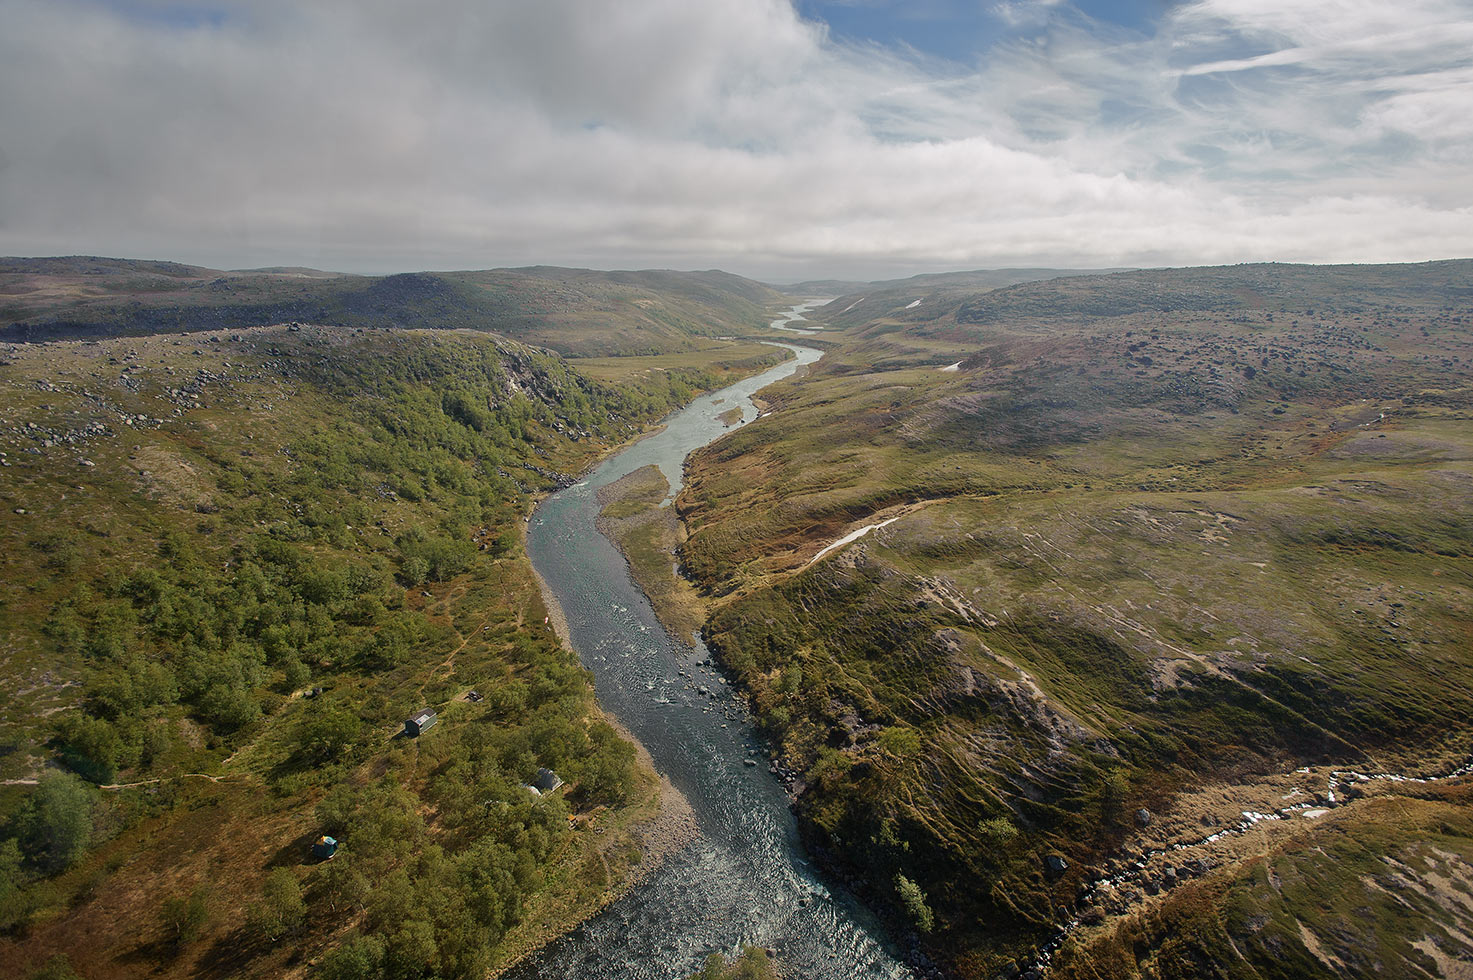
(1141, 551)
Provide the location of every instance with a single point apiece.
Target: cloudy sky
(776, 138)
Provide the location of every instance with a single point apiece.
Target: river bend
(746, 878)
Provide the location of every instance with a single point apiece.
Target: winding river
(746, 878)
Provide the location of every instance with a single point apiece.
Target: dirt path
(855, 535)
(447, 605)
(141, 782)
(449, 660)
(162, 779)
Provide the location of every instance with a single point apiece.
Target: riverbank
(673, 826)
(631, 846)
(625, 848)
(745, 879)
(648, 533)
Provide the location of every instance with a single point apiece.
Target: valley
(1108, 625)
(1151, 539)
(779, 490)
(237, 559)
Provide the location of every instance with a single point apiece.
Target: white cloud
(1024, 13)
(376, 135)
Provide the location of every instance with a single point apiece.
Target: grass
(648, 534)
(1141, 548)
(724, 358)
(574, 311)
(286, 510)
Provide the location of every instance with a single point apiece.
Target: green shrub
(913, 901)
(281, 910)
(55, 822)
(183, 916)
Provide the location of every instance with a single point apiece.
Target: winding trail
(134, 785)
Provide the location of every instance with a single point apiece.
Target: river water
(796, 313)
(746, 878)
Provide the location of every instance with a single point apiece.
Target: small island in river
(647, 533)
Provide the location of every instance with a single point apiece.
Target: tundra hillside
(235, 561)
(574, 311)
(1162, 665)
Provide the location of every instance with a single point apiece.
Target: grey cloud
(380, 136)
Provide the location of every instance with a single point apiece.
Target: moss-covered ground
(1155, 534)
(231, 564)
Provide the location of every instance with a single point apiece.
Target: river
(746, 878)
(796, 313)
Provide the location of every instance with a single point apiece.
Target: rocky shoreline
(667, 831)
(647, 534)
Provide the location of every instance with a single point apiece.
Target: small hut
(546, 781)
(324, 847)
(420, 723)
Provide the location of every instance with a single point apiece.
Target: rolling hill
(239, 552)
(1154, 658)
(573, 311)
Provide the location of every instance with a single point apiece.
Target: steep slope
(1140, 549)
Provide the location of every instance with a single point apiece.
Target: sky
(780, 139)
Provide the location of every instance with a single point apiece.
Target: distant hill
(574, 311)
(94, 265)
(1259, 286)
(823, 287)
(957, 305)
(293, 270)
(1117, 625)
(988, 278)
(933, 291)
